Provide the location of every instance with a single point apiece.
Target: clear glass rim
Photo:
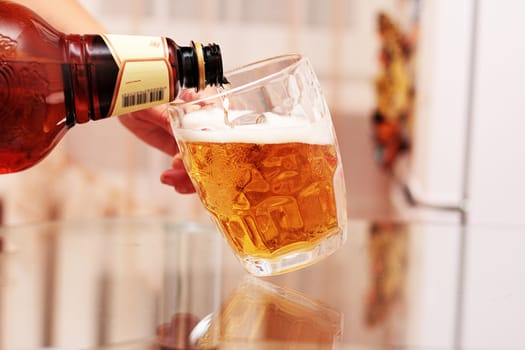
(295, 57)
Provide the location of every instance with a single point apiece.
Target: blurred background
(424, 95)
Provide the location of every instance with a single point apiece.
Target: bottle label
(144, 72)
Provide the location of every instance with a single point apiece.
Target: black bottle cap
(213, 68)
(200, 66)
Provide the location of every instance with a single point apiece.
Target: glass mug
(263, 156)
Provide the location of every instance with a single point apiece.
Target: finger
(157, 115)
(153, 127)
(161, 140)
(177, 162)
(189, 95)
(178, 179)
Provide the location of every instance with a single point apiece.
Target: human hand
(153, 127)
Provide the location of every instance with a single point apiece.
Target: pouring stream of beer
(226, 108)
(225, 105)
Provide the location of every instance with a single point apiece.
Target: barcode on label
(143, 97)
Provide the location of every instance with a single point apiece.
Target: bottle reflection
(259, 314)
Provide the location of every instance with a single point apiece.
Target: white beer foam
(209, 126)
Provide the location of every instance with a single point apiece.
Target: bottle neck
(109, 75)
(190, 60)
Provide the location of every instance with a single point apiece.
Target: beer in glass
(263, 156)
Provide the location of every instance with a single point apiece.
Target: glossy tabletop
(153, 283)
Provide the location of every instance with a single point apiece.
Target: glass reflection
(257, 313)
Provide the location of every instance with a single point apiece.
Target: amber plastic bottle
(49, 81)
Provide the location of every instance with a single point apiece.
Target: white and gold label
(144, 72)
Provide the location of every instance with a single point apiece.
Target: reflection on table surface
(256, 312)
(150, 283)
